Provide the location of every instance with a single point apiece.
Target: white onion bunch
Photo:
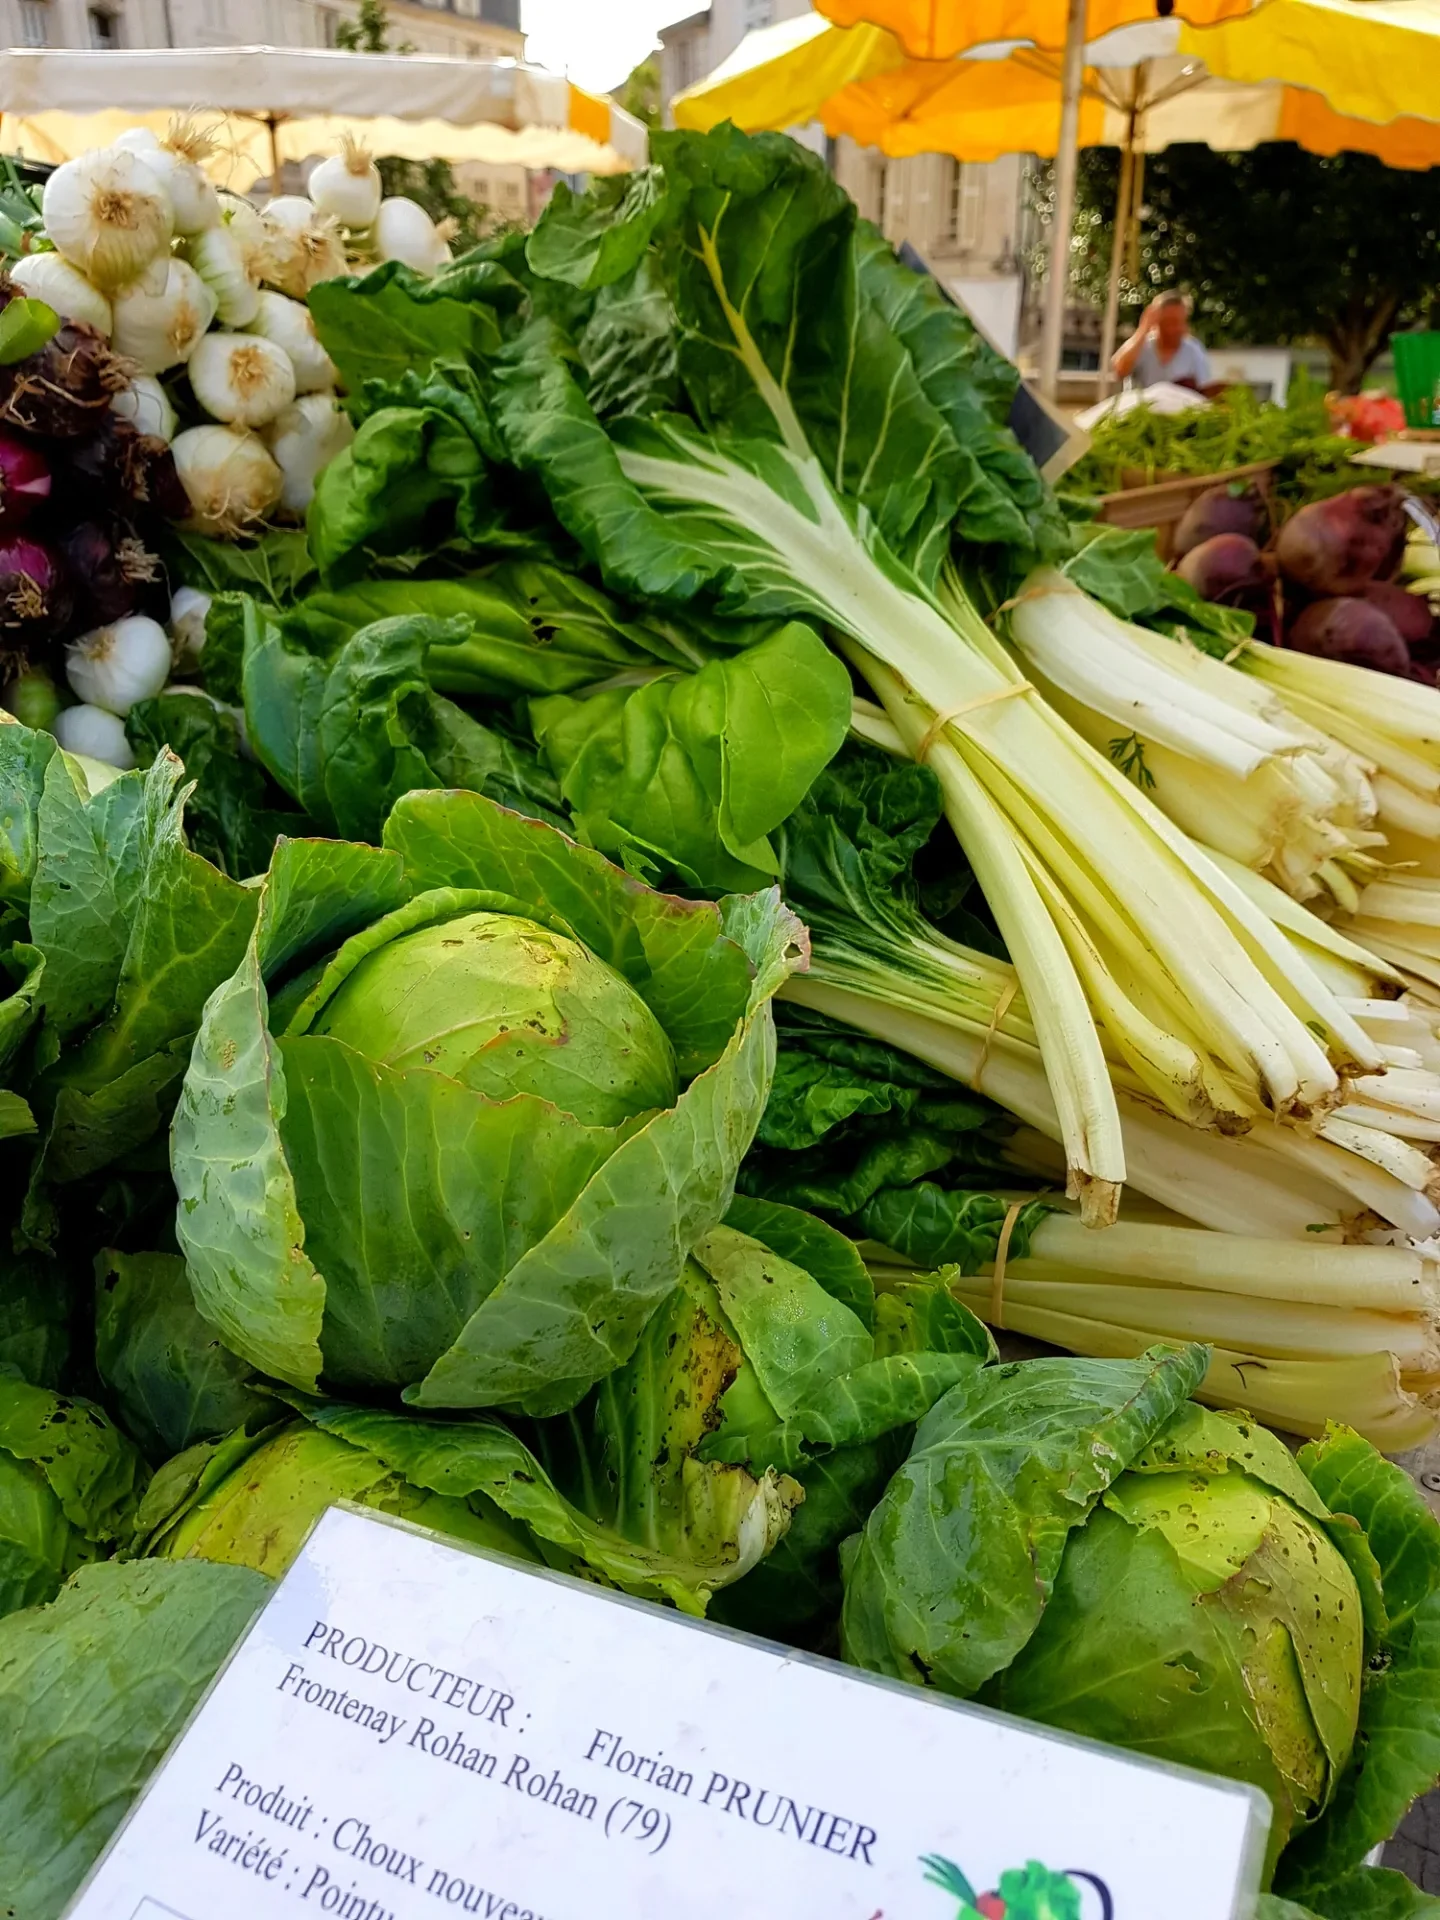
(189, 609)
(109, 215)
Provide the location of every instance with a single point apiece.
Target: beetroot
(1219, 510)
(24, 480)
(1228, 566)
(1335, 546)
(1353, 630)
(35, 596)
(1408, 613)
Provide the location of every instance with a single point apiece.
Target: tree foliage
(639, 91)
(1275, 245)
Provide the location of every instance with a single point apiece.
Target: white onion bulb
(90, 733)
(117, 666)
(229, 476)
(222, 260)
(189, 608)
(241, 379)
(175, 161)
(289, 324)
(45, 276)
(347, 186)
(159, 331)
(109, 215)
(146, 405)
(405, 232)
(305, 438)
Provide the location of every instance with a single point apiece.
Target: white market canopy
(266, 105)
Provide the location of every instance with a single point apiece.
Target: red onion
(24, 480)
(35, 599)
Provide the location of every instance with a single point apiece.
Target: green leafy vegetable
(93, 1689)
(535, 1279)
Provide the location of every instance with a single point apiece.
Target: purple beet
(1228, 566)
(1353, 630)
(1219, 510)
(1408, 613)
(1334, 547)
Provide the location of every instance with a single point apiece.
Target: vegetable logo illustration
(1031, 1892)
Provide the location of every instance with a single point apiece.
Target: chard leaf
(380, 325)
(93, 1690)
(953, 1571)
(592, 240)
(692, 774)
(351, 733)
(275, 569)
(232, 818)
(411, 475)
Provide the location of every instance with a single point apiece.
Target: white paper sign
(412, 1730)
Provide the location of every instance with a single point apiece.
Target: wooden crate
(1162, 504)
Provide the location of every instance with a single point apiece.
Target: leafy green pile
(1140, 446)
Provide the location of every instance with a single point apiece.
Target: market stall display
(692, 889)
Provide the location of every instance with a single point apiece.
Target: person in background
(1162, 347)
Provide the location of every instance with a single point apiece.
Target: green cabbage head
(1075, 1542)
(451, 1126)
(250, 1500)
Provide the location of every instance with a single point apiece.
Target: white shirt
(1189, 362)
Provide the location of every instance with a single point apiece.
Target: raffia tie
(942, 720)
(1002, 1007)
(1002, 1250)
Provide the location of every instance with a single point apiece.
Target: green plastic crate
(1417, 375)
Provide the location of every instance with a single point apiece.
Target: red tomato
(991, 1905)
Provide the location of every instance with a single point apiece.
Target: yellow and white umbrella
(272, 104)
(1143, 87)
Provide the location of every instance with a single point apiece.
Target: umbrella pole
(1067, 162)
(1117, 255)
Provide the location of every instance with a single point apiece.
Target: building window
(34, 23)
(684, 64)
(965, 211)
(758, 13)
(104, 28)
(329, 22)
